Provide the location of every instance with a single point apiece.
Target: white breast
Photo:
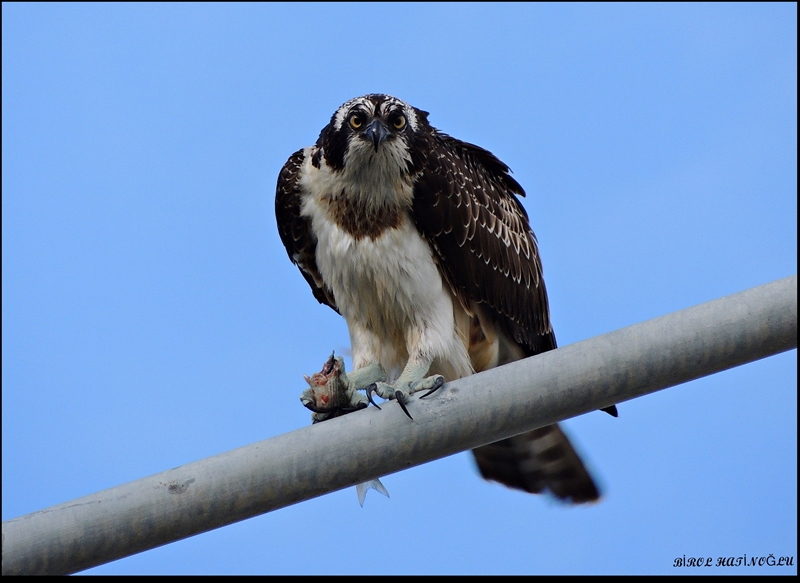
(391, 293)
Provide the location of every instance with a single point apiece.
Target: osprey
(419, 240)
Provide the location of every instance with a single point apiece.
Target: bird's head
(372, 128)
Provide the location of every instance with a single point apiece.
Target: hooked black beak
(377, 132)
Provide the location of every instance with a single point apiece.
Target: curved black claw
(398, 394)
(436, 386)
(351, 409)
(612, 410)
(316, 409)
(373, 388)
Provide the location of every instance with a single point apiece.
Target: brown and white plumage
(419, 240)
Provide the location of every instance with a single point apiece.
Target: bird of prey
(419, 241)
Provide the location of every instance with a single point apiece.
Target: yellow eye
(399, 122)
(355, 121)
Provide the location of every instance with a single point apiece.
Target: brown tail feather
(542, 460)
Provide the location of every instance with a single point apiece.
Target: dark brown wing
(465, 204)
(295, 230)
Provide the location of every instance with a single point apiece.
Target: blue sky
(151, 317)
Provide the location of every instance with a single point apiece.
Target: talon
(436, 386)
(612, 410)
(315, 409)
(356, 408)
(398, 394)
(328, 366)
(370, 389)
